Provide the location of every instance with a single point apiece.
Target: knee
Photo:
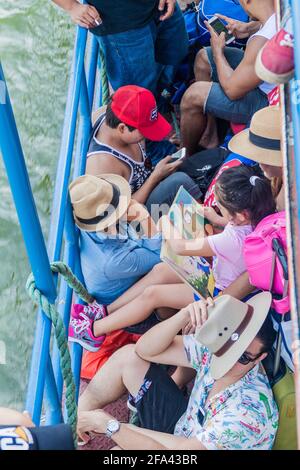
(160, 273)
(181, 179)
(202, 67)
(122, 357)
(149, 295)
(193, 98)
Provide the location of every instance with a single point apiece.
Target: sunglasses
(246, 359)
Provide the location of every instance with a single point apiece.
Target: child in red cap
(117, 146)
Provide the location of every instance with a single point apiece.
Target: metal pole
(30, 225)
(295, 205)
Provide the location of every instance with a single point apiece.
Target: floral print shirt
(244, 416)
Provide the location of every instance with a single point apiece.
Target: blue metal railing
(292, 180)
(79, 103)
(45, 379)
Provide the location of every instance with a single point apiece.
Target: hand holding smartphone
(220, 27)
(180, 155)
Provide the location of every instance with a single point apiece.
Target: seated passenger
(117, 147)
(262, 143)
(112, 255)
(244, 200)
(228, 86)
(231, 405)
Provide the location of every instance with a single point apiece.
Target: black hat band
(114, 202)
(264, 142)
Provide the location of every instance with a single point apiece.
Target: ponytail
(244, 188)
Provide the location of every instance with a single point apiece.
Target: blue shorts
(219, 105)
(146, 56)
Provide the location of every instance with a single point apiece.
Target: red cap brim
(158, 130)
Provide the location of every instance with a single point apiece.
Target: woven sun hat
(262, 142)
(99, 201)
(230, 328)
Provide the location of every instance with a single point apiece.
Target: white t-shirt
(268, 30)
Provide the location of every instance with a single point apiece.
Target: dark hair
(113, 121)
(267, 335)
(236, 192)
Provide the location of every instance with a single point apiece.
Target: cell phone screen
(219, 27)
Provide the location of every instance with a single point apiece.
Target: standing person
(228, 86)
(138, 38)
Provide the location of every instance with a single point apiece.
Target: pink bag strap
(281, 306)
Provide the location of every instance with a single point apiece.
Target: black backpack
(202, 166)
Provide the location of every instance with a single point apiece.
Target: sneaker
(275, 61)
(93, 311)
(81, 332)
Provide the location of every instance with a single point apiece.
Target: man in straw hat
(262, 144)
(113, 256)
(231, 405)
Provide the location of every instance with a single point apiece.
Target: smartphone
(219, 27)
(178, 155)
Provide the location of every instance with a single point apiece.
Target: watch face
(113, 426)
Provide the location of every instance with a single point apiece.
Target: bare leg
(193, 118)
(183, 375)
(202, 70)
(160, 274)
(174, 296)
(124, 371)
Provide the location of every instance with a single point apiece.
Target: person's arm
(169, 6)
(212, 216)
(162, 344)
(240, 29)
(102, 163)
(240, 288)
(236, 83)
(84, 15)
(182, 247)
(130, 437)
(138, 213)
(162, 170)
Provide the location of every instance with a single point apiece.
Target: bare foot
(210, 139)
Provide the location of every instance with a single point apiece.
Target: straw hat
(262, 142)
(231, 326)
(99, 201)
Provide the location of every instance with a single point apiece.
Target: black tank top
(140, 171)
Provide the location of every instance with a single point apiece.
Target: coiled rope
(60, 333)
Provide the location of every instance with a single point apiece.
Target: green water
(36, 42)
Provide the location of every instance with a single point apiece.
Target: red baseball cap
(136, 106)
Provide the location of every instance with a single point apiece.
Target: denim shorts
(219, 105)
(140, 56)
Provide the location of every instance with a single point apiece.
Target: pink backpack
(259, 258)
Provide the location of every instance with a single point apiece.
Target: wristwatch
(112, 427)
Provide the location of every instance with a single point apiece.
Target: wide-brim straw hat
(262, 142)
(99, 201)
(230, 328)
